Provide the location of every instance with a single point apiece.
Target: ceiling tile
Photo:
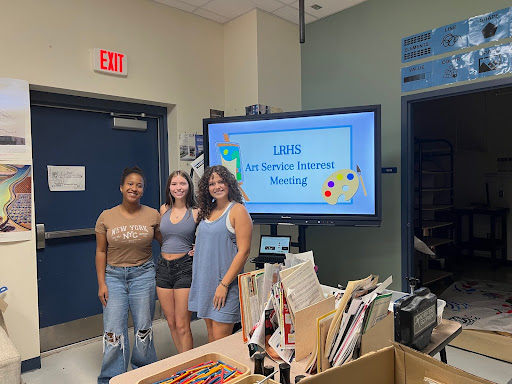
(267, 5)
(178, 4)
(292, 14)
(229, 8)
(287, 1)
(197, 3)
(329, 7)
(210, 15)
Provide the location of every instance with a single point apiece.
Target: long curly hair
(190, 200)
(206, 202)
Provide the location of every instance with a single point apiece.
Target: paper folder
(306, 326)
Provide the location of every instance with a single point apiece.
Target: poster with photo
(14, 116)
(187, 146)
(15, 202)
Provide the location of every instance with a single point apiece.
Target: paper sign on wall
(66, 178)
(450, 37)
(417, 77)
(452, 69)
(492, 26)
(492, 61)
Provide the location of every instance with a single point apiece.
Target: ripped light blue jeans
(129, 288)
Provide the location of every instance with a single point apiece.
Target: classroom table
(234, 348)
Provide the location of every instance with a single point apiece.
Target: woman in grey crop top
(174, 269)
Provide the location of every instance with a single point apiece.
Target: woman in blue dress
(223, 242)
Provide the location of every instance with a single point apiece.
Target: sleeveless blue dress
(215, 250)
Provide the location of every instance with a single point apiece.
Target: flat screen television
(317, 167)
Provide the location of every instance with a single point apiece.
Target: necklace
(179, 214)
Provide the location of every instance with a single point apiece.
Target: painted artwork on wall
(14, 116)
(15, 202)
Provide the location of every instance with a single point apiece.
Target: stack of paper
(361, 306)
(290, 290)
(252, 299)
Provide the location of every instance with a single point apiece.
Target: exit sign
(105, 61)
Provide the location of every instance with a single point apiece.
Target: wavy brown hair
(206, 202)
(190, 200)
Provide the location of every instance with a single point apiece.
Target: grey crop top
(178, 238)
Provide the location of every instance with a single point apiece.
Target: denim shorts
(174, 274)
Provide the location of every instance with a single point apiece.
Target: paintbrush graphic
(361, 178)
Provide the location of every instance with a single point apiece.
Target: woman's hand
(219, 299)
(191, 252)
(103, 294)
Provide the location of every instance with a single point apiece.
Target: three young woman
(208, 286)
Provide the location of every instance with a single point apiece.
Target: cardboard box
(379, 336)
(486, 343)
(162, 375)
(396, 364)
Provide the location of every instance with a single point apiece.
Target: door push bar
(42, 236)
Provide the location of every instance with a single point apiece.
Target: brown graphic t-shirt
(128, 240)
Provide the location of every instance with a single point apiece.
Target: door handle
(42, 235)
(40, 243)
(69, 233)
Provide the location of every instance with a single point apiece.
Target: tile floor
(80, 363)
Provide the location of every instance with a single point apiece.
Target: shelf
(425, 172)
(430, 276)
(436, 207)
(431, 224)
(482, 244)
(436, 241)
(435, 153)
(434, 189)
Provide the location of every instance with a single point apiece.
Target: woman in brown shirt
(126, 277)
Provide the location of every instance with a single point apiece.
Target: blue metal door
(73, 137)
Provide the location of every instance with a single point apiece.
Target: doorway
(79, 132)
(456, 181)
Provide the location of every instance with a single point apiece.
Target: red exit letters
(109, 62)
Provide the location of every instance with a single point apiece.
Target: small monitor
(274, 245)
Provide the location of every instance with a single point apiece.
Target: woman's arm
(101, 265)
(242, 223)
(158, 236)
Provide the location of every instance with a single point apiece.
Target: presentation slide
(275, 244)
(302, 165)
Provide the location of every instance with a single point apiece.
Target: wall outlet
(501, 193)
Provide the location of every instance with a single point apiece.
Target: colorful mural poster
(14, 116)
(15, 202)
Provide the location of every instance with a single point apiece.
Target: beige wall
(175, 59)
(241, 64)
(278, 63)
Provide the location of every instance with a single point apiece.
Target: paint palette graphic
(342, 182)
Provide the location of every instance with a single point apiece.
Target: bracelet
(224, 285)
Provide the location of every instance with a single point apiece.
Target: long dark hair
(190, 200)
(129, 170)
(206, 203)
